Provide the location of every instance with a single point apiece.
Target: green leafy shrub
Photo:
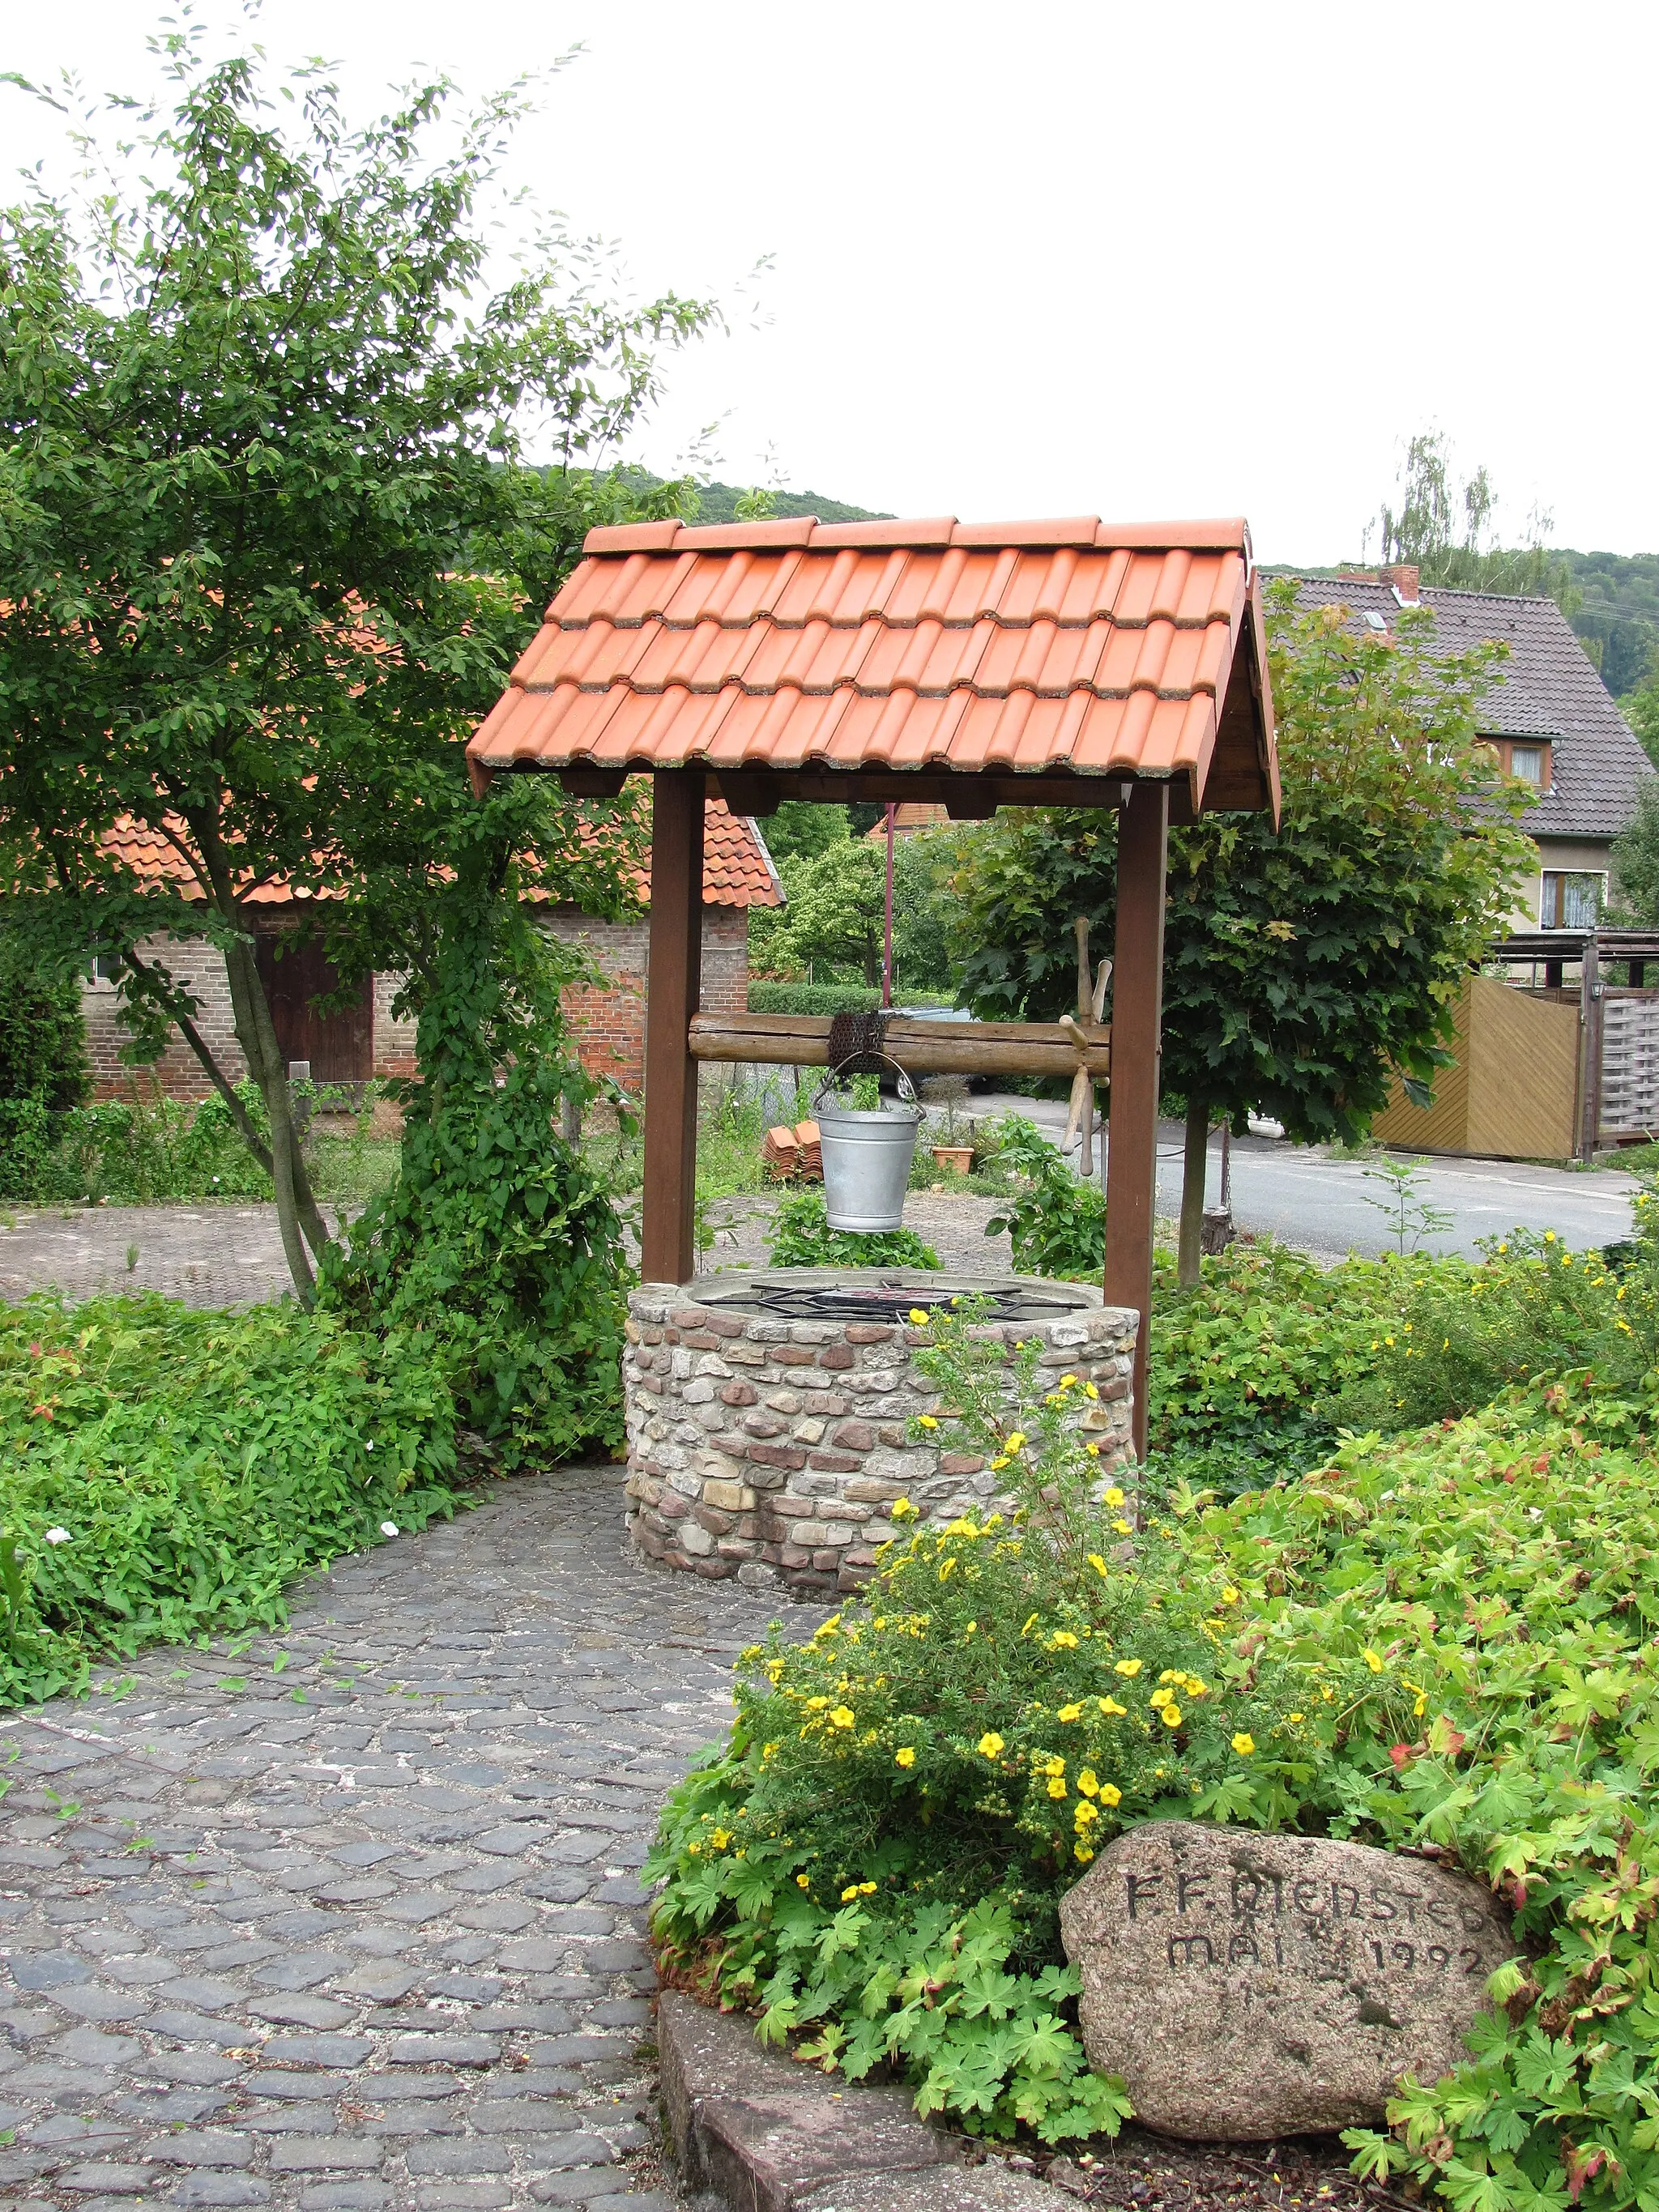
(1444, 1641)
(501, 1244)
(1254, 1371)
(44, 1072)
(800, 1236)
(1056, 1223)
(822, 1000)
(168, 1471)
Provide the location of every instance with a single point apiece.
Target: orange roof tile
(736, 868)
(909, 816)
(1074, 645)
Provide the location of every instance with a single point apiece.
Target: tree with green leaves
(270, 538)
(1304, 968)
(833, 913)
(1447, 531)
(801, 830)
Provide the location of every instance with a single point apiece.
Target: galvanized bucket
(867, 1157)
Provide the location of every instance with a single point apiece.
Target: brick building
(366, 1039)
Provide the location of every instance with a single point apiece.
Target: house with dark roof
(1548, 716)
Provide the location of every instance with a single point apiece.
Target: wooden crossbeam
(919, 1047)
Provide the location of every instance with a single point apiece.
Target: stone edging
(765, 2134)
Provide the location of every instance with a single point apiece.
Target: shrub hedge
(819, 998)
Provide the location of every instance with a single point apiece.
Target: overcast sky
(1134, 259)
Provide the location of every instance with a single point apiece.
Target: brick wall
(178, 1072)
(609, 1019)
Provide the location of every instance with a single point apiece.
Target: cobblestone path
(348, 1918)
(232, 1255)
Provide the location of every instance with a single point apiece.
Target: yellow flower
(1110, 1794)
(926, 1421)
(1172, 1674)
(1230, 1595)
(990, 1743)
(1084, 1815)
(1030, 1617)
(1123, 1528)
(1196, 1688)
(1110, 1706)
(1069, 1713)
(817, 1704)
(906, 1756)
(1062, 1640)
(1131, 1667)
(1099, 1565)
(1160, 1698)
(867, 1889)
(721, 1839)
(918, 1318)
(1015, 1442)
(1086, 1780)
(1297, 1716)
(997, 1465)
(849, 1893)
(842, 1717)
(946, 1571)
(1093, 1450)
(1080, 1855)
(1089, 1391)
(1113, 1495)
(1243, 1743)
(1056, 1787)
(1053, 1765)
(1171, 1717)
(902, 1509)
(1372, 1662)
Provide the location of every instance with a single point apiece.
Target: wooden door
(340, 1045)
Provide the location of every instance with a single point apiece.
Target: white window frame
(1601, 876)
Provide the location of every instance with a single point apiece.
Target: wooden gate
(339, 1045)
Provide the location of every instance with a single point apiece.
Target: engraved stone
(1250, 1986)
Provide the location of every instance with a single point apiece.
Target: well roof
(1071, 646)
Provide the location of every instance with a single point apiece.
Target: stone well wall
(773, 1450)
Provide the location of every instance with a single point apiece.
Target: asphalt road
(1305, 1199)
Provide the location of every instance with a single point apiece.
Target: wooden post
(1143, 832)
(1592, 1020)
(673, 979)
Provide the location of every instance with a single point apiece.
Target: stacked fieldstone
(775, 1449)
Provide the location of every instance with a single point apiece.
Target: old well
(769, 1414)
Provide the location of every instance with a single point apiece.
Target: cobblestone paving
(232, 1255)
(208, 1256)
(347, 1919)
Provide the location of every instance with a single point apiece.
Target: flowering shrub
(1447, 1641)
(879, 1852)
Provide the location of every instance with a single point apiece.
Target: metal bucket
(867, 1159)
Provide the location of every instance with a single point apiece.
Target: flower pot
(955, 1159)
(866, 1160)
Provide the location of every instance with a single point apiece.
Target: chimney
(1403, 577)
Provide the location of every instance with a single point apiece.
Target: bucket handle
(908, 1089)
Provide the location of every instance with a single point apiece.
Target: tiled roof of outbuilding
(736, 868)
(1546, 689)
(930, 645)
